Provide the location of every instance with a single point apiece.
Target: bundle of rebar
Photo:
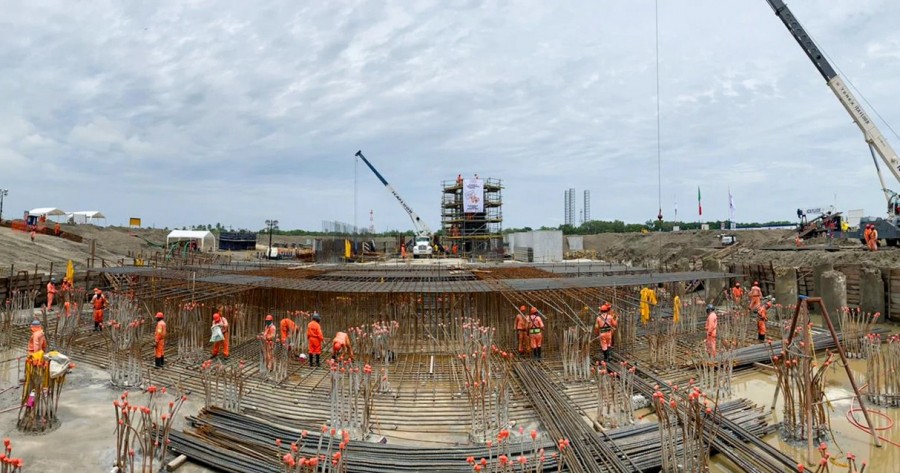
(274, 359)
(296, 339)
(40, 395)
(576, 353)
(21, 306)
(737, 326)
(662, 342)
(625, 334)
(686, 428)
(239, 326)
(615, 394)
(123, 333)
(192, 331)
(488, 393)
(376, 345)
(715, 373)
(7, 314)
(8, 464)
(223, 384)
(801, 382)
(882, 369)
(61, 335)
(855, 325)
(352, 392)
(142, 431)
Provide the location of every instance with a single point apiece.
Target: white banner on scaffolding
(473, 193)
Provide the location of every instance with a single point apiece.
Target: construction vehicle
(823, 225)
(889, 227)
(421, 246)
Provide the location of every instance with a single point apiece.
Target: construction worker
(160, 337)
(648, 299)
(37, 342)
(871, 237)
(315, 337)
(51, 293)
(762, 317)
(340, 342)
(288, 328)
(99, 302)
(223, 345)
(522, 330)
(535, 332)
(712, 328)
(268, 338)
(755, 295)
(737, 293)
(605, 326)
(56, 229)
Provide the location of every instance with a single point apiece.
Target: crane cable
(658, 140)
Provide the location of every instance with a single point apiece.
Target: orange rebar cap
(159, 315)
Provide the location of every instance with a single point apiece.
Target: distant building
(587, 207)
(569, 218)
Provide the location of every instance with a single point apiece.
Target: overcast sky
(189, 112)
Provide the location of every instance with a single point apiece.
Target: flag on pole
(699, 205)
(730, 201)
(676, 211)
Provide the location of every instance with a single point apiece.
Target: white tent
(86, 216)
(204, 238)
(48, 212)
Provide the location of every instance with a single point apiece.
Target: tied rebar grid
(191, 328)
(738, 327)
(487, 391)
(123, 334)
(576, 353)
(376, 346)
(686, 433)
(274, 359)
(801, 382)
(855, 325)
(353, 385)
(19, 308)
(40, 395)
(615, 394)
(715, 373)
(67, 315)
(224, 386)
(662, 342)
(882, 369)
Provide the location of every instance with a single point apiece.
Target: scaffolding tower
(476, 233)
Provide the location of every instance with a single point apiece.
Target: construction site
(137, 350)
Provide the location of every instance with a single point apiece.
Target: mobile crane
(422, 245)
(887, 227)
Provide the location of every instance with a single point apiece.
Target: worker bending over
(755, 296)
(340, 343)
(99, 302)
(522, 330)
(762, 317)
(268, 339)
(224, 344)
(315, 338)
(288, 328)
(160, 337)
(712, 328)
(535, 332)
(605, 326)
(37, 342)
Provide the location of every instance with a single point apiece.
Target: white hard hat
(302, 356)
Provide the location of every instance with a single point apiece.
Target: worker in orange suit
(56, 229)
(160, 337)
(268, 338)
(871, 237)
(712, 329)
(315, 338)
(287, 327)
(535, 332)
(737, 293)
(605, 326)
(99, 302)
(522, 330)
(224, 345)
(51, 293)
(37, 342)
(341, 343)
(762, 316)
(755, 295)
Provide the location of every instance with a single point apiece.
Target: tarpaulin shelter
(205, 239)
